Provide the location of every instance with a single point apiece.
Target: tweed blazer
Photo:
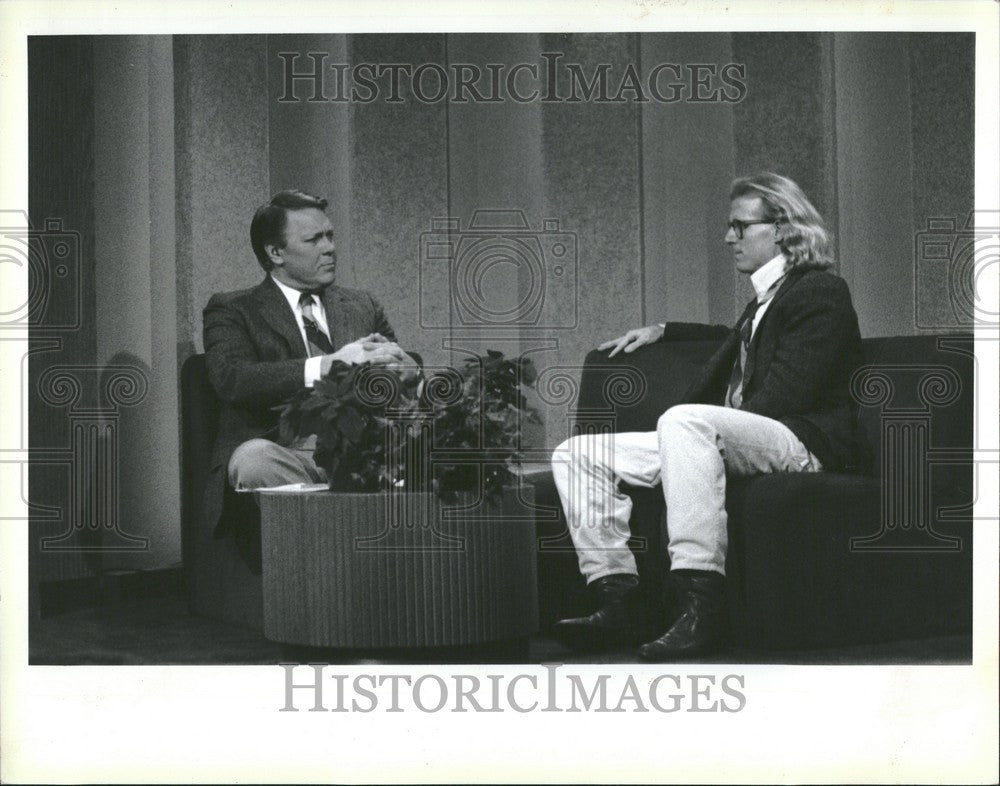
(256, 359)
(803, 353)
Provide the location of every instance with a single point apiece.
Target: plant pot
(397, 569)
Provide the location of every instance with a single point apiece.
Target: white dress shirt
(766, 281)
(313, 369)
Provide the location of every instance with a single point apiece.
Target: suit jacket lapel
(716, 370)
(790, 281)
(337, 310)
(275, 311)
(747, 314)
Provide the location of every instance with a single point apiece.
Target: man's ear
(274, 254)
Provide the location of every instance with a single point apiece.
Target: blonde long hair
(805, 241)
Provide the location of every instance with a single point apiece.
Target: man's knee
(565, 448)
(680, 415)
(252, 464)
(563, 454)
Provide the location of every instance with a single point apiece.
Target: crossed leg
(694, 448)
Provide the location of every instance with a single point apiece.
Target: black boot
(622, 618)
(701, 628)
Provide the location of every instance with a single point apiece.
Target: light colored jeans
(261, 463)
(692, 450)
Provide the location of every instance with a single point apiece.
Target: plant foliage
(377, 430)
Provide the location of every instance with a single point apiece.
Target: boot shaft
(703, 591)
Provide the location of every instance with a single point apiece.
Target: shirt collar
(767, 276)
(291, 295)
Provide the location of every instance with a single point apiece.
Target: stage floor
(161, 631)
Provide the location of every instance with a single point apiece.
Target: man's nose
(731, 236)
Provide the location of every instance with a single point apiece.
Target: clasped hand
(374, 348)
(632, 340)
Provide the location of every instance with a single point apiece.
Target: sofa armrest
(633, 390)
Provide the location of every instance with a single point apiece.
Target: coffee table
(394, 569)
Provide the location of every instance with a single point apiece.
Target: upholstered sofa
(220, 582)
(815, 560)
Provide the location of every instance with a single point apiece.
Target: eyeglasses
(739, 227)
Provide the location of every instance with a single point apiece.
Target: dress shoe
(622, 618)
(701, 628)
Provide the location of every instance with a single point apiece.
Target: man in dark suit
(264, 344)
(774, 398)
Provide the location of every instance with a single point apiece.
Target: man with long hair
(774, 398)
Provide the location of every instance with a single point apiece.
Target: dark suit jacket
(799, 366)
(256, 359)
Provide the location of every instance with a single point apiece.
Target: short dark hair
(269, 221)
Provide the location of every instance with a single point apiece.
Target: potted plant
(372, 424)
(445, 554)
(350, 411)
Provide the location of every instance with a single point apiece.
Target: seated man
(774, 398)
(264, 344)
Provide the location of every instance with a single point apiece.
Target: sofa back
(908, 382)
(907, 385)
(911, 378)
(917, 408)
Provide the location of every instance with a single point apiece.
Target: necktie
(734, 395)
(318, 343)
